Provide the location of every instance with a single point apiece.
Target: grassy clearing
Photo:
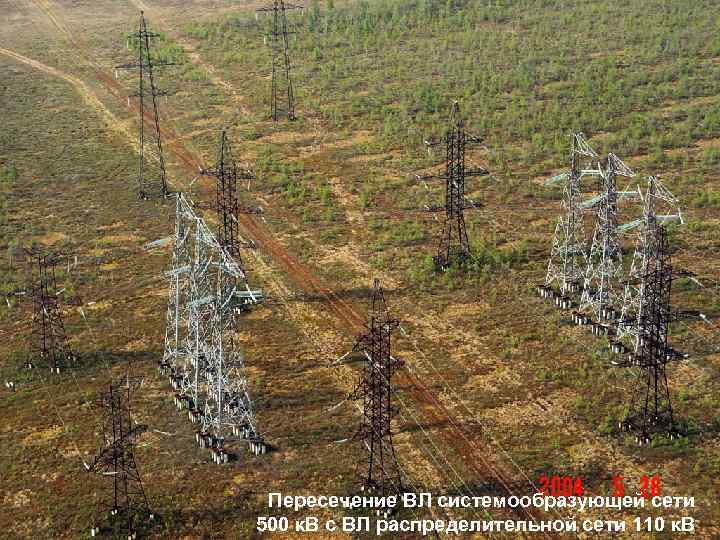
(373, 80)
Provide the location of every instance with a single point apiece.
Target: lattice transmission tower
(566, 266)
(656, 199)
(49, 344)
(650, 412)
(605, 259)
(454, 246)
(227, 175)
(125, 505)
(379, 472)
(151, 180)
(281, 82)
(176, 351)
(200, 309)
(208, 289)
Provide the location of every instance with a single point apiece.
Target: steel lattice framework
(151, 178)
(176, 352)
(49, 341)
(650, 410)
(605, 259)
(127, 507)
(227, 173)
(380, 471)
(207, 290)
(454, 246)
(635, 301)
(646, 313)
(200, 314)
(280, 58)
(566, 266)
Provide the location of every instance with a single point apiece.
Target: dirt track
(83, 89)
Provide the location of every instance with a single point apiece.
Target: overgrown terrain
(524, 390)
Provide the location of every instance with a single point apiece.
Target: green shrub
(706, 199)
(486, 257)
(366, 198)
(324, 193)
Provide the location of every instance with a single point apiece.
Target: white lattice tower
(176, 326)
(604, 267)
(566, 267)
(656, 199)
(208, 288)
(200, 311)
(228, 408)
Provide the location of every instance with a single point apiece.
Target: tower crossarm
(582, 147)
(105, 458)
(278, 5)
(565, 176)
(628, 194)
(469, 139)
(480, 171)
(136, 65)
(618, 167)
(557, 179)
(434, 208)
(592, 202)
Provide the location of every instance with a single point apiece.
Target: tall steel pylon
(645, 256)
(280, 58)
(127, 506)
(566, 266)
(605, 260)
(208, 289)
(200, 317)
(49, 341)
(379, 472)
(454, 246)
(227, 174)
(650, 411)
(151, 179)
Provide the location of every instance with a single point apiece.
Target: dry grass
(492, 354)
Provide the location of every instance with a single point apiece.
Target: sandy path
(82, 89)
